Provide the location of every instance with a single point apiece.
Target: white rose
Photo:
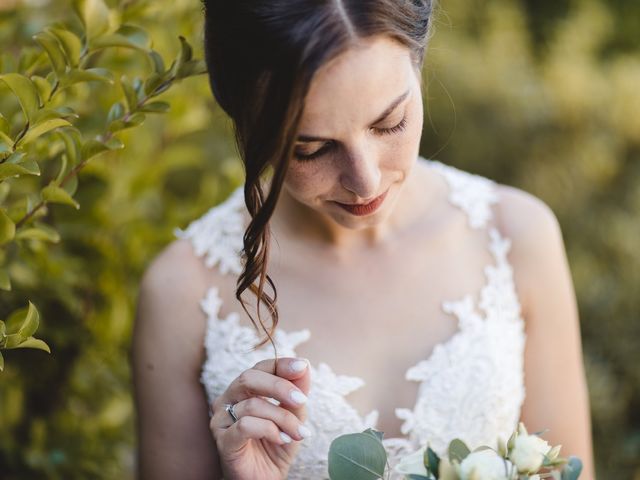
(485, 465)
(412, 464)
(528, 453)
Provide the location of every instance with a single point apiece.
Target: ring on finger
(229, 409)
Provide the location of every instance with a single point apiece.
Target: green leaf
(6, 143)
(34, 343)
(70, 43)
(94, 15)
(116, 112)
(376, 433)
(4, 125)
(5, 281)
(357, 456)
(189, 69)
(155, 107)
(432, 462)
(54, 194)
(572, 469)
(71, 185)
(7, 228)
(25, 90)
(1, 362)
(57, 57)
(158, 62)
(39, 231)
(88, 75)
(94, 147)
(30, 322)
(127, 36)
(42, 128)
(43, 86)
(129, 94)
(458, 450)
(152, 83)
(8, 170)
(135, 119)
(5, 188)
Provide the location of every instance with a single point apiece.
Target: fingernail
(299, 365)
(304, 431)
(285, 438)
(298, 397)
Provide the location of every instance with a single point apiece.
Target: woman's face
(360, 133)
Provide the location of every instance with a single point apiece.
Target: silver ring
(229, 408)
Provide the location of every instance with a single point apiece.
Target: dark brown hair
(261, 57)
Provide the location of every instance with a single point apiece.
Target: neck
(413, 198)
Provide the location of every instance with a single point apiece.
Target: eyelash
(380, 131)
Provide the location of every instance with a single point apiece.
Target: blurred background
(543, 95)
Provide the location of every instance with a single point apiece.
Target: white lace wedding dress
(471, 387)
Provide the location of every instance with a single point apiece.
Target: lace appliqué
(218, 234)
(472, 193)
(471, 387)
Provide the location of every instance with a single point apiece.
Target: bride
(412, 297)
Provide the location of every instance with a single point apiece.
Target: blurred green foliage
(539, 94)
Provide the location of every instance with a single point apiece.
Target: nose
(361, 174)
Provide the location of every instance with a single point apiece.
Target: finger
(290, 368)
(294, 369)
(237, 435)
(283, 418)
(252, 382)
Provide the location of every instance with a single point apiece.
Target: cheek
(306, 179)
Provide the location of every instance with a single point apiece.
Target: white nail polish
(299, 365)
(298, 397)
(285, 438)
(304, 431)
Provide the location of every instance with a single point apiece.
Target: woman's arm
(174, 440)
(556, 395)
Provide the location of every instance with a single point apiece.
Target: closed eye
(329, 145)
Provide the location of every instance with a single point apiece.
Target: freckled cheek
(307, 180)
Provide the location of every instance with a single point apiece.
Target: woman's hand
(264, 441)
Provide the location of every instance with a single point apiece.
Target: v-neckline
(447, 306)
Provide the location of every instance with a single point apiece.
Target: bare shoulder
(537, 246)
(167, 353)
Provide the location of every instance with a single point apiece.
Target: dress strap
(472, 193)
(218, 234)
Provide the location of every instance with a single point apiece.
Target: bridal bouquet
(361, 456)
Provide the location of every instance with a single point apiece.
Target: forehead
(359, 83)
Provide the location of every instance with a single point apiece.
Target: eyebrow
(385, 114)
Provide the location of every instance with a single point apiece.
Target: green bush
(537, 94)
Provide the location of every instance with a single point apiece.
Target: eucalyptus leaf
(25, 90)
(432, 462)
(7, 227)
(572, 469)
(357, 456)
(54, 194)
(458, 450)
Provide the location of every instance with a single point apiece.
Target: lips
(364, 209)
